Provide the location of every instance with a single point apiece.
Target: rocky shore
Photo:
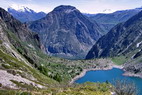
(130, 74)
(133, 70)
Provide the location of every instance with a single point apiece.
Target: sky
(85, 6)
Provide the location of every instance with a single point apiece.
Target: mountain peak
(20, 8)
(25, 14)
(65, 8)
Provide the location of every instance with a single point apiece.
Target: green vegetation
(0, 42)
(119, 60)
(0, 85)
(14, 92)
(86, 89)
(77, 89)
(23, 85)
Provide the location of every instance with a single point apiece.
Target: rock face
(121, 40)
(108, 21)
(65, 32)
(25, 14)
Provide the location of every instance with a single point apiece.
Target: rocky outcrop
(65, 32)
(133, 70)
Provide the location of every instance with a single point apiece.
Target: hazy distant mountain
(122, 39)
(24, 14)
(65, 32)
(108, 21)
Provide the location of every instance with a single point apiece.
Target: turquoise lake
(109, 75)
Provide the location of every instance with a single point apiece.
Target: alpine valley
(44, 54)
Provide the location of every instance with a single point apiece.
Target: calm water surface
(109, 75)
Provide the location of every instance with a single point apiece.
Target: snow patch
(70, 10)
(138, 44)
(20, 8)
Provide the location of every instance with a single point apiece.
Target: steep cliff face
(121, 40)
(65, 32)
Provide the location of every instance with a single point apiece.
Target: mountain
(24, 14)
(108, 21)
(65, 32)
(121, 40)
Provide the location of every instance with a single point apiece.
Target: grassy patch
(6, 66)
(0, 85)
(119, 60)
(14, 92)
(0, 41)
(77, 89)
(81, 89)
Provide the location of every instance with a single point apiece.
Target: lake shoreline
(94, 69)
(105, 68)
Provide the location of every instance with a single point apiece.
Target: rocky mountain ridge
(108, 21)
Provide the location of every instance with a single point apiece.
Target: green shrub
(8, 92)
(43, 70)
(6, 66)
(25, 93)
(0, 42)
(57, 77)
(0, 85)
